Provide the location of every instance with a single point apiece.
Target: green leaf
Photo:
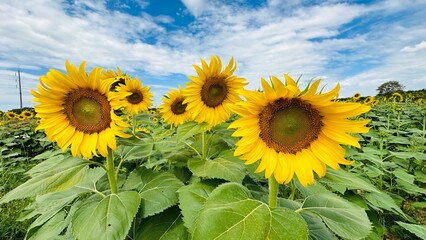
(51, 228)
(66, 175)
(342, 217)
(224, 166)
(157, 190)
(418, 230)
(399, 140)
(167, 225)
(136, 150)
(191, 200)
(230, 213)
(107, 219)
(383, 201)
(347, 179)
(403, 175)
(403, 155)
(317, 228)
(189, 129)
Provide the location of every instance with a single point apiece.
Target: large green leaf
(167, 225)
(51, 228)
(137, 149)
(384, 201)
(66, 175)
(225, 166)
(189, 129)
(347, 179)
(191, 200)
(107, 219)
(230, 213)
(157, 190)
(418, 230)
(344, 218)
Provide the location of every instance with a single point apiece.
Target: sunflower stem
(273, 192)
(111, 174)
(203, 145)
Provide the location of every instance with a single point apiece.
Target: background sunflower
(209, 94)
(173, 110)
(138, 98)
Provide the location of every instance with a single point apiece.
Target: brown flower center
(87, 110)
(177, 107)
(135, 97)
(214, 91)
(289, 125)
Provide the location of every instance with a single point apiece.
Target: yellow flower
(20, 117)
(155, 120)
(138, 98)
(76, 110)
(356, 96)
(375, 102)
(143, 130)
(295, 132)
(210, 93)
(396, 94)
(11, 115)
(27, 114)
(118, 76)
(173, 110)
(368, 100)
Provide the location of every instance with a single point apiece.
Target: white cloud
(415, 48)
(195, 7)
(272, 39)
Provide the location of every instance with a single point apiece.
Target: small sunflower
(142, 130)
(27, 114)
(368, 100)
(401, 98)
(155, 120)
(210, 93)
(295, 132)
(118, 76)
(356, 96)
(20, 117)
(138, 98)
(11, 115)
(76, 110)
(375, 102)
(173, 110)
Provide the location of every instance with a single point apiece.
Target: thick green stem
(273, 192)
(203, 145)
(111, 174)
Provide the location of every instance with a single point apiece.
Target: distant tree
(390, 87)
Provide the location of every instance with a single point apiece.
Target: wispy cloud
(359, 45)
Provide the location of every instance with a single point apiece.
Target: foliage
(168, 190)
(389, 87)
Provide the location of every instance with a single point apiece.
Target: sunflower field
(95, 160)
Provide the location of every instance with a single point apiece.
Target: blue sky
(360, 44)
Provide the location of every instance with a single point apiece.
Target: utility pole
(20, 88)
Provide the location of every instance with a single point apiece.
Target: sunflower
(356, 96)
(173, 110)
(27, 114)
(11, 115)
(375, 102)
(209, 94)
(20, 117)
(142, 130)
(155, 120)
(138, 98)
(118, 76)
(368, 100)
(401, 98)
(295, 132)
(76, 110)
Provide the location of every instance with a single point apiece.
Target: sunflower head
(209, 94)
(11, 115)
(368, 100)
(136, 97)
(375, 102)
(76, 110)
(293, 131)
(27, 114)
(356, 96)
(155, 120)
(173, 109)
